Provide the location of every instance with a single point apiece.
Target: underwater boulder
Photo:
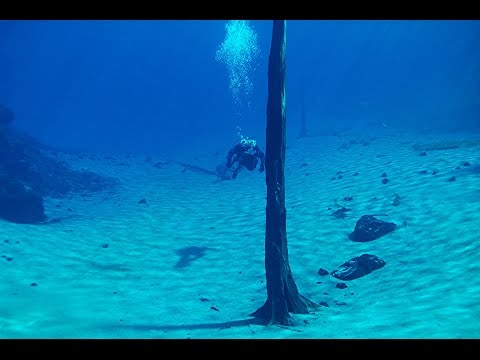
(369, 228)
(358, 266)
(19, 205)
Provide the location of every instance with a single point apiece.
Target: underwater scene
(239, 179)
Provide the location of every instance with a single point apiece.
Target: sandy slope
(139, 286)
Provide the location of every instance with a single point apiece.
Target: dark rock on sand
(369, 228)
(341, 213)
(322, 272)
(19, 205)
(358, 266)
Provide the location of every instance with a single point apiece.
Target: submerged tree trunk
(282, 293)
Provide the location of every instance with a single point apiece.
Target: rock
(322, 272)
(341, 286)
(323, 303)
(369, 228)
(452, 179)
(358, 267)
(143, 201)
(384, 175)
(25, 160)
(19, 205)
(423, 172)
(105, 246)
(385, 180)
(341, 213)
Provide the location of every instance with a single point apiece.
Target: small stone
(9, 258)
(105, 246)
(356, 174)
(212, 228)
(69, 209)
(6, 241)
(385, 180)
(352, 293)
(458, 168)
(143, 201)
(318, 282)
(4, 256)
(325, 293)
(384, 175)
(114, 293)
(341, 303)
(214, 308)
(34, 284)
(323, 303)
(423, 172)
(322, 272)
(340, 177)
(303, 165)
(204, 299)
(423, 153)
(466, 163)
(341, 286)
(434, 172)
(452, 179)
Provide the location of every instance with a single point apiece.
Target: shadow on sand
(219, 326)
(189, 254)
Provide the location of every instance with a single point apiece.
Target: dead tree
(282, 293)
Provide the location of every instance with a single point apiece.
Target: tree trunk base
(276, 316)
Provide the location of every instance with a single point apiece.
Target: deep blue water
(152, 87)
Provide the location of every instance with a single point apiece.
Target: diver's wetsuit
(245, 154)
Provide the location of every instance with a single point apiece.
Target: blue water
(153, 86)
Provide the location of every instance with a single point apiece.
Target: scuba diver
(245, 153)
